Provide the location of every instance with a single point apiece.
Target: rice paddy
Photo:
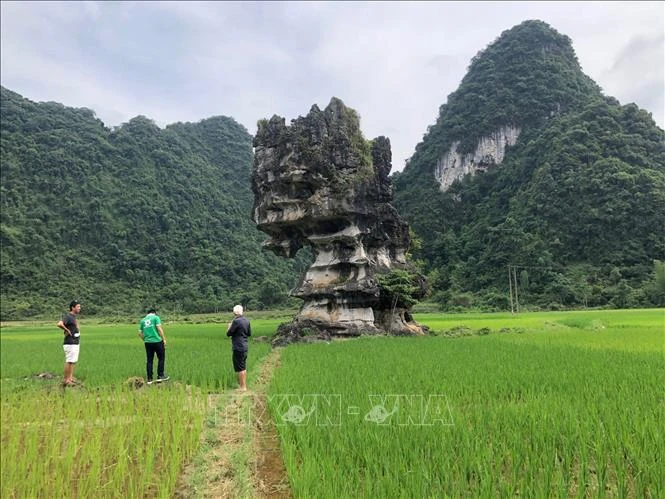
(566, 404)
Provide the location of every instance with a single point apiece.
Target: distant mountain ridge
(130, 217)
(529, 171)
(543, 174)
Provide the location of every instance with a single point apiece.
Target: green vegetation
(197, 354)
(535, 405)
(138, 216)
(576, 209)
(107, 437)
(400, 287)
(111, 443)
(130, 217)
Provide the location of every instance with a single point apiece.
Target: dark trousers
(150, 350)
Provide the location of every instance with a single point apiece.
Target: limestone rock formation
(319, 183)
(489, 153)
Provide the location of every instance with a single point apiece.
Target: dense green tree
(128, 217)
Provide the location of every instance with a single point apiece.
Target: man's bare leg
(242, 380)
(69, 372)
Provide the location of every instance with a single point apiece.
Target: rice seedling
(106, 442)
(557, 404)
(569, 410)
(106, 438)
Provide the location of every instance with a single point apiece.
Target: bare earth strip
(269, 473)
(239, 452)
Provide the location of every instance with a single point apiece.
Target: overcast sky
(393, 62)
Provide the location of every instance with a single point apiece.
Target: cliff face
(318, 183)
(490, 152)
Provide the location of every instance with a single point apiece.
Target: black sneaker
(162, 378)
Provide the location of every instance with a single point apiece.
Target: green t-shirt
(148, 327)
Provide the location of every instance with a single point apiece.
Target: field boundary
(269, 473)
(239, 453)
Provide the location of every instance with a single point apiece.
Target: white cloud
(394, 62)
(637, 74)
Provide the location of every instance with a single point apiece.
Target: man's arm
(62, 326)
(230, 330)
(161, 333)
(249, 329)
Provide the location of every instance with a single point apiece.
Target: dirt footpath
(239, 454)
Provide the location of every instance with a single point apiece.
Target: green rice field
(561, 404)
(107, 439)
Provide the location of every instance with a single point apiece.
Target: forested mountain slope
(576, 206)
(566, 189)
(128, 217)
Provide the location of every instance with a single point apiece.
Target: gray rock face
(319, 183)
(489, 153)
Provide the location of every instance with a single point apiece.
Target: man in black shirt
(70, 325)
(239, 330)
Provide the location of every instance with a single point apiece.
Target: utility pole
(517, 301)
(510, 288)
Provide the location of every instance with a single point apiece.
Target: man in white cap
(239, 330)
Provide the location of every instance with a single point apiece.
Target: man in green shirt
(150, 330)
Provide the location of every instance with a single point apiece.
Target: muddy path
(269, 473)
(239, 452)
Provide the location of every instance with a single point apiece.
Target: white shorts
(71, 353)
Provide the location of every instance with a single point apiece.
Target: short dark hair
(152, 310)
(73, 304)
